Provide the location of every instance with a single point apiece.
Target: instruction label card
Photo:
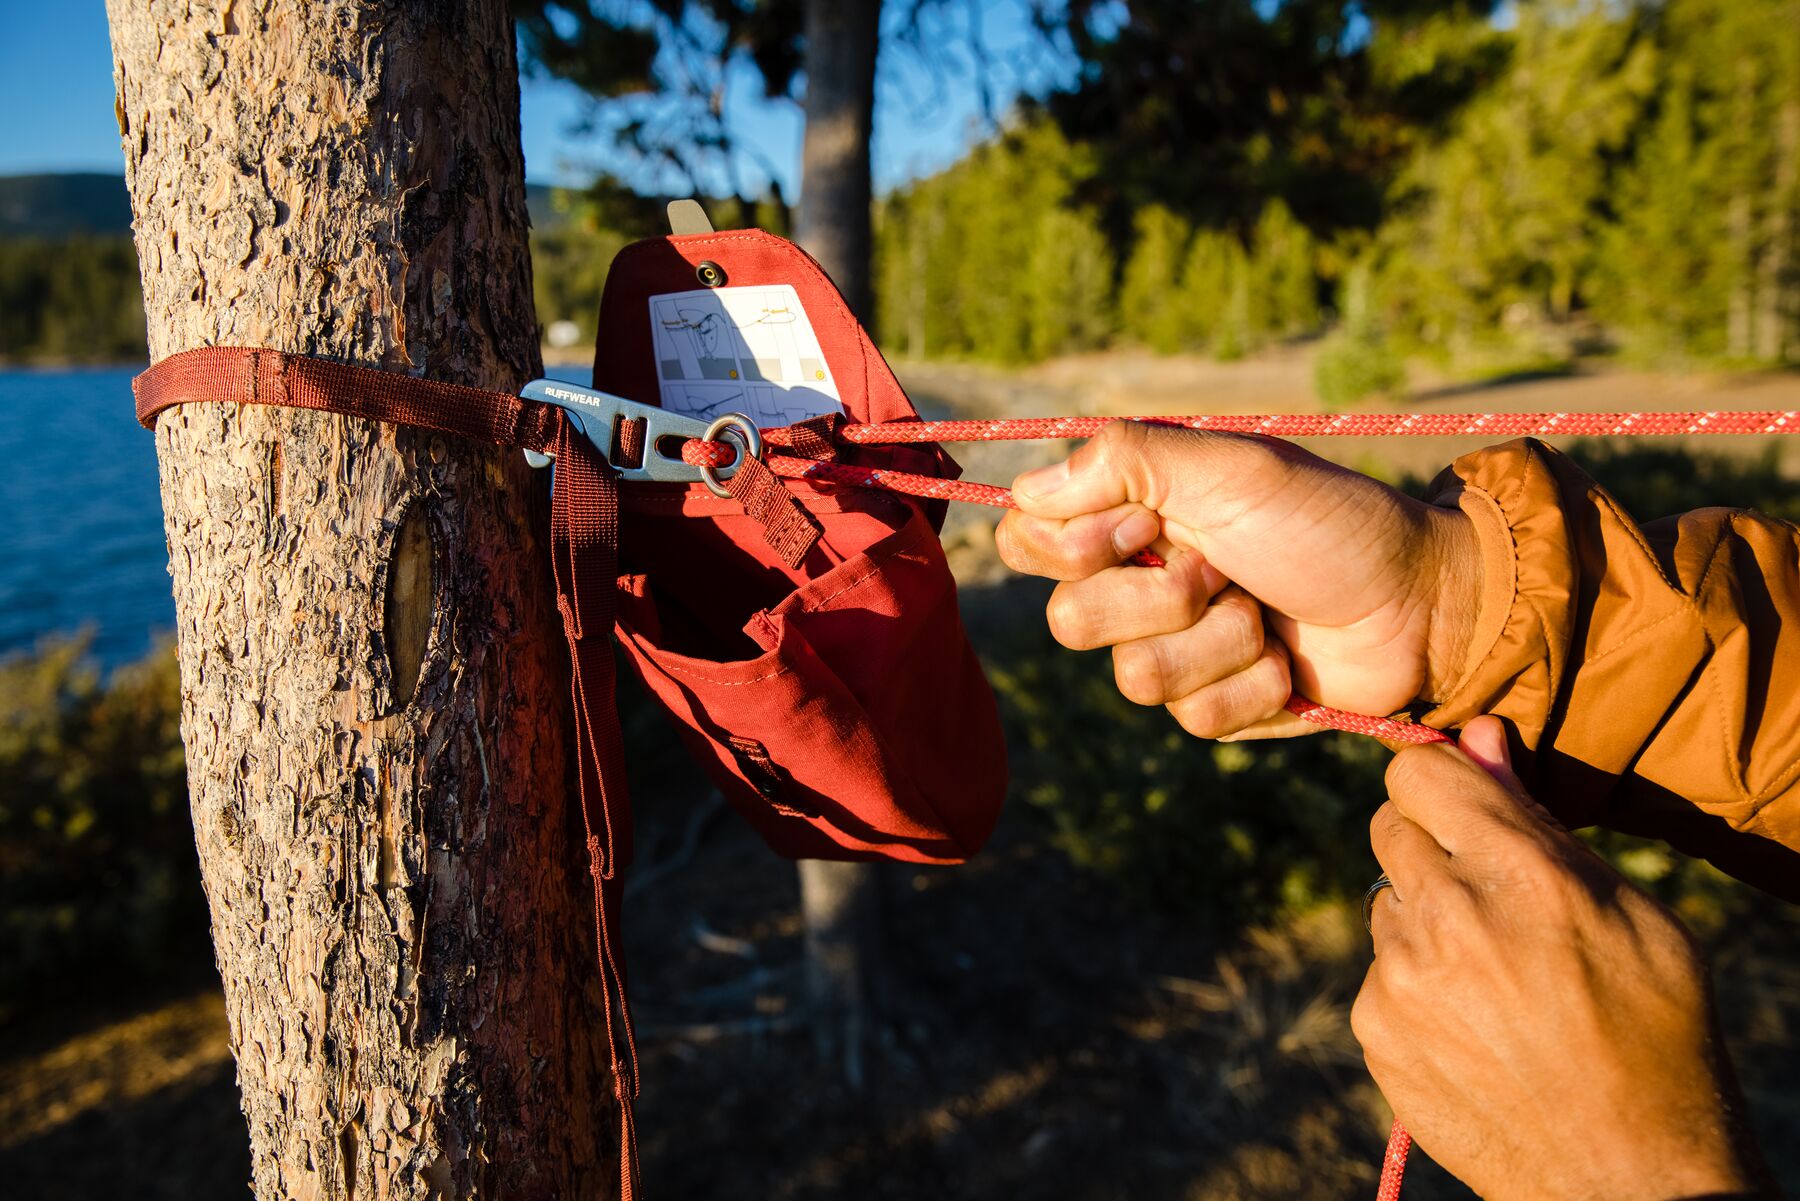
(747, 350)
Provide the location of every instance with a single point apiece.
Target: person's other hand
(1543, 1029)
(1284, 572)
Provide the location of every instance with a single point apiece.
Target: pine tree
(1150, 302)
(1215, 284)
(1700, 263)
(1659, 282)
(1285, 301)
(1068, 284)
(1505, 210)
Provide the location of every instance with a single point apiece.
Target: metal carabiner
(597, 415)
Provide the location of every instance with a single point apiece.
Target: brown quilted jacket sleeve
(1651, 672)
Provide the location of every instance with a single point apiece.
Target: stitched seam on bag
(874, 569)
(651, 653)
(699, 674)
(774, 243)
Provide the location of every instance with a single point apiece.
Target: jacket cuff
(1515, 661)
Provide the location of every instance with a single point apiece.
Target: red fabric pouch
(837, 704)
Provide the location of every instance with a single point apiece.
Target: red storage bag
(837, 704)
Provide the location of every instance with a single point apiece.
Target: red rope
(1393, 1163)
(1333, 425)
(1290, 425)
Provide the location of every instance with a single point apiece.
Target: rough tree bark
(841, 902)
(374, 706)
(842, 38)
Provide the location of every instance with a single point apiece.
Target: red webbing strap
(584, 535)
(788, 528)
(246, 375)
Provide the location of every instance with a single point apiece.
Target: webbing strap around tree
(584, 537)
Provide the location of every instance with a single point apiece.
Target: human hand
(1284, 572)
(1543, 1029)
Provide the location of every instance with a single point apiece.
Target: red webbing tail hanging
(584, 537)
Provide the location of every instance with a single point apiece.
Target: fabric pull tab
(787, 527)
(816, 437)
(768, 777)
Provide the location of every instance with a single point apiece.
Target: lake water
(81, 537)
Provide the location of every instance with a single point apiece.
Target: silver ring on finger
(1381, 882)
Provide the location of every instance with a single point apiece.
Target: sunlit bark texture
(374, 708)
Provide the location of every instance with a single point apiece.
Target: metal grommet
(747, 434)
(710, 274)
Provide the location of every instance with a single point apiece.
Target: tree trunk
(835, 189)
(841, 902)
(1740, 331)
(1775, 291)
(1740, 230)
(374, 706)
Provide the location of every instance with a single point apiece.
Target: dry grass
(117, 1064)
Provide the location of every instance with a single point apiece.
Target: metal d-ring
(748, 435)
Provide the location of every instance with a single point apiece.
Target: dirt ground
(1048, 1039)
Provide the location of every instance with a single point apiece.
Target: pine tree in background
(1215, 284)
(1151, 306)
(960, 261)
(1699, 265)
(1285, 280)
(1069, 283)
(1659, 283)
(1501, 216)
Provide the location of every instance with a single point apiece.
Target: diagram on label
(747, 350)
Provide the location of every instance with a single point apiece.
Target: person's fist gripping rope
(1284, 573)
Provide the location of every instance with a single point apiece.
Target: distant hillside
(540, 201)
(56, 206)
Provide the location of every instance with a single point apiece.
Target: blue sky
(56, 92)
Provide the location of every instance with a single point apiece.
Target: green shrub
(1222, 833)
(97, 868)
(1352, 366)
(1151, 306)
